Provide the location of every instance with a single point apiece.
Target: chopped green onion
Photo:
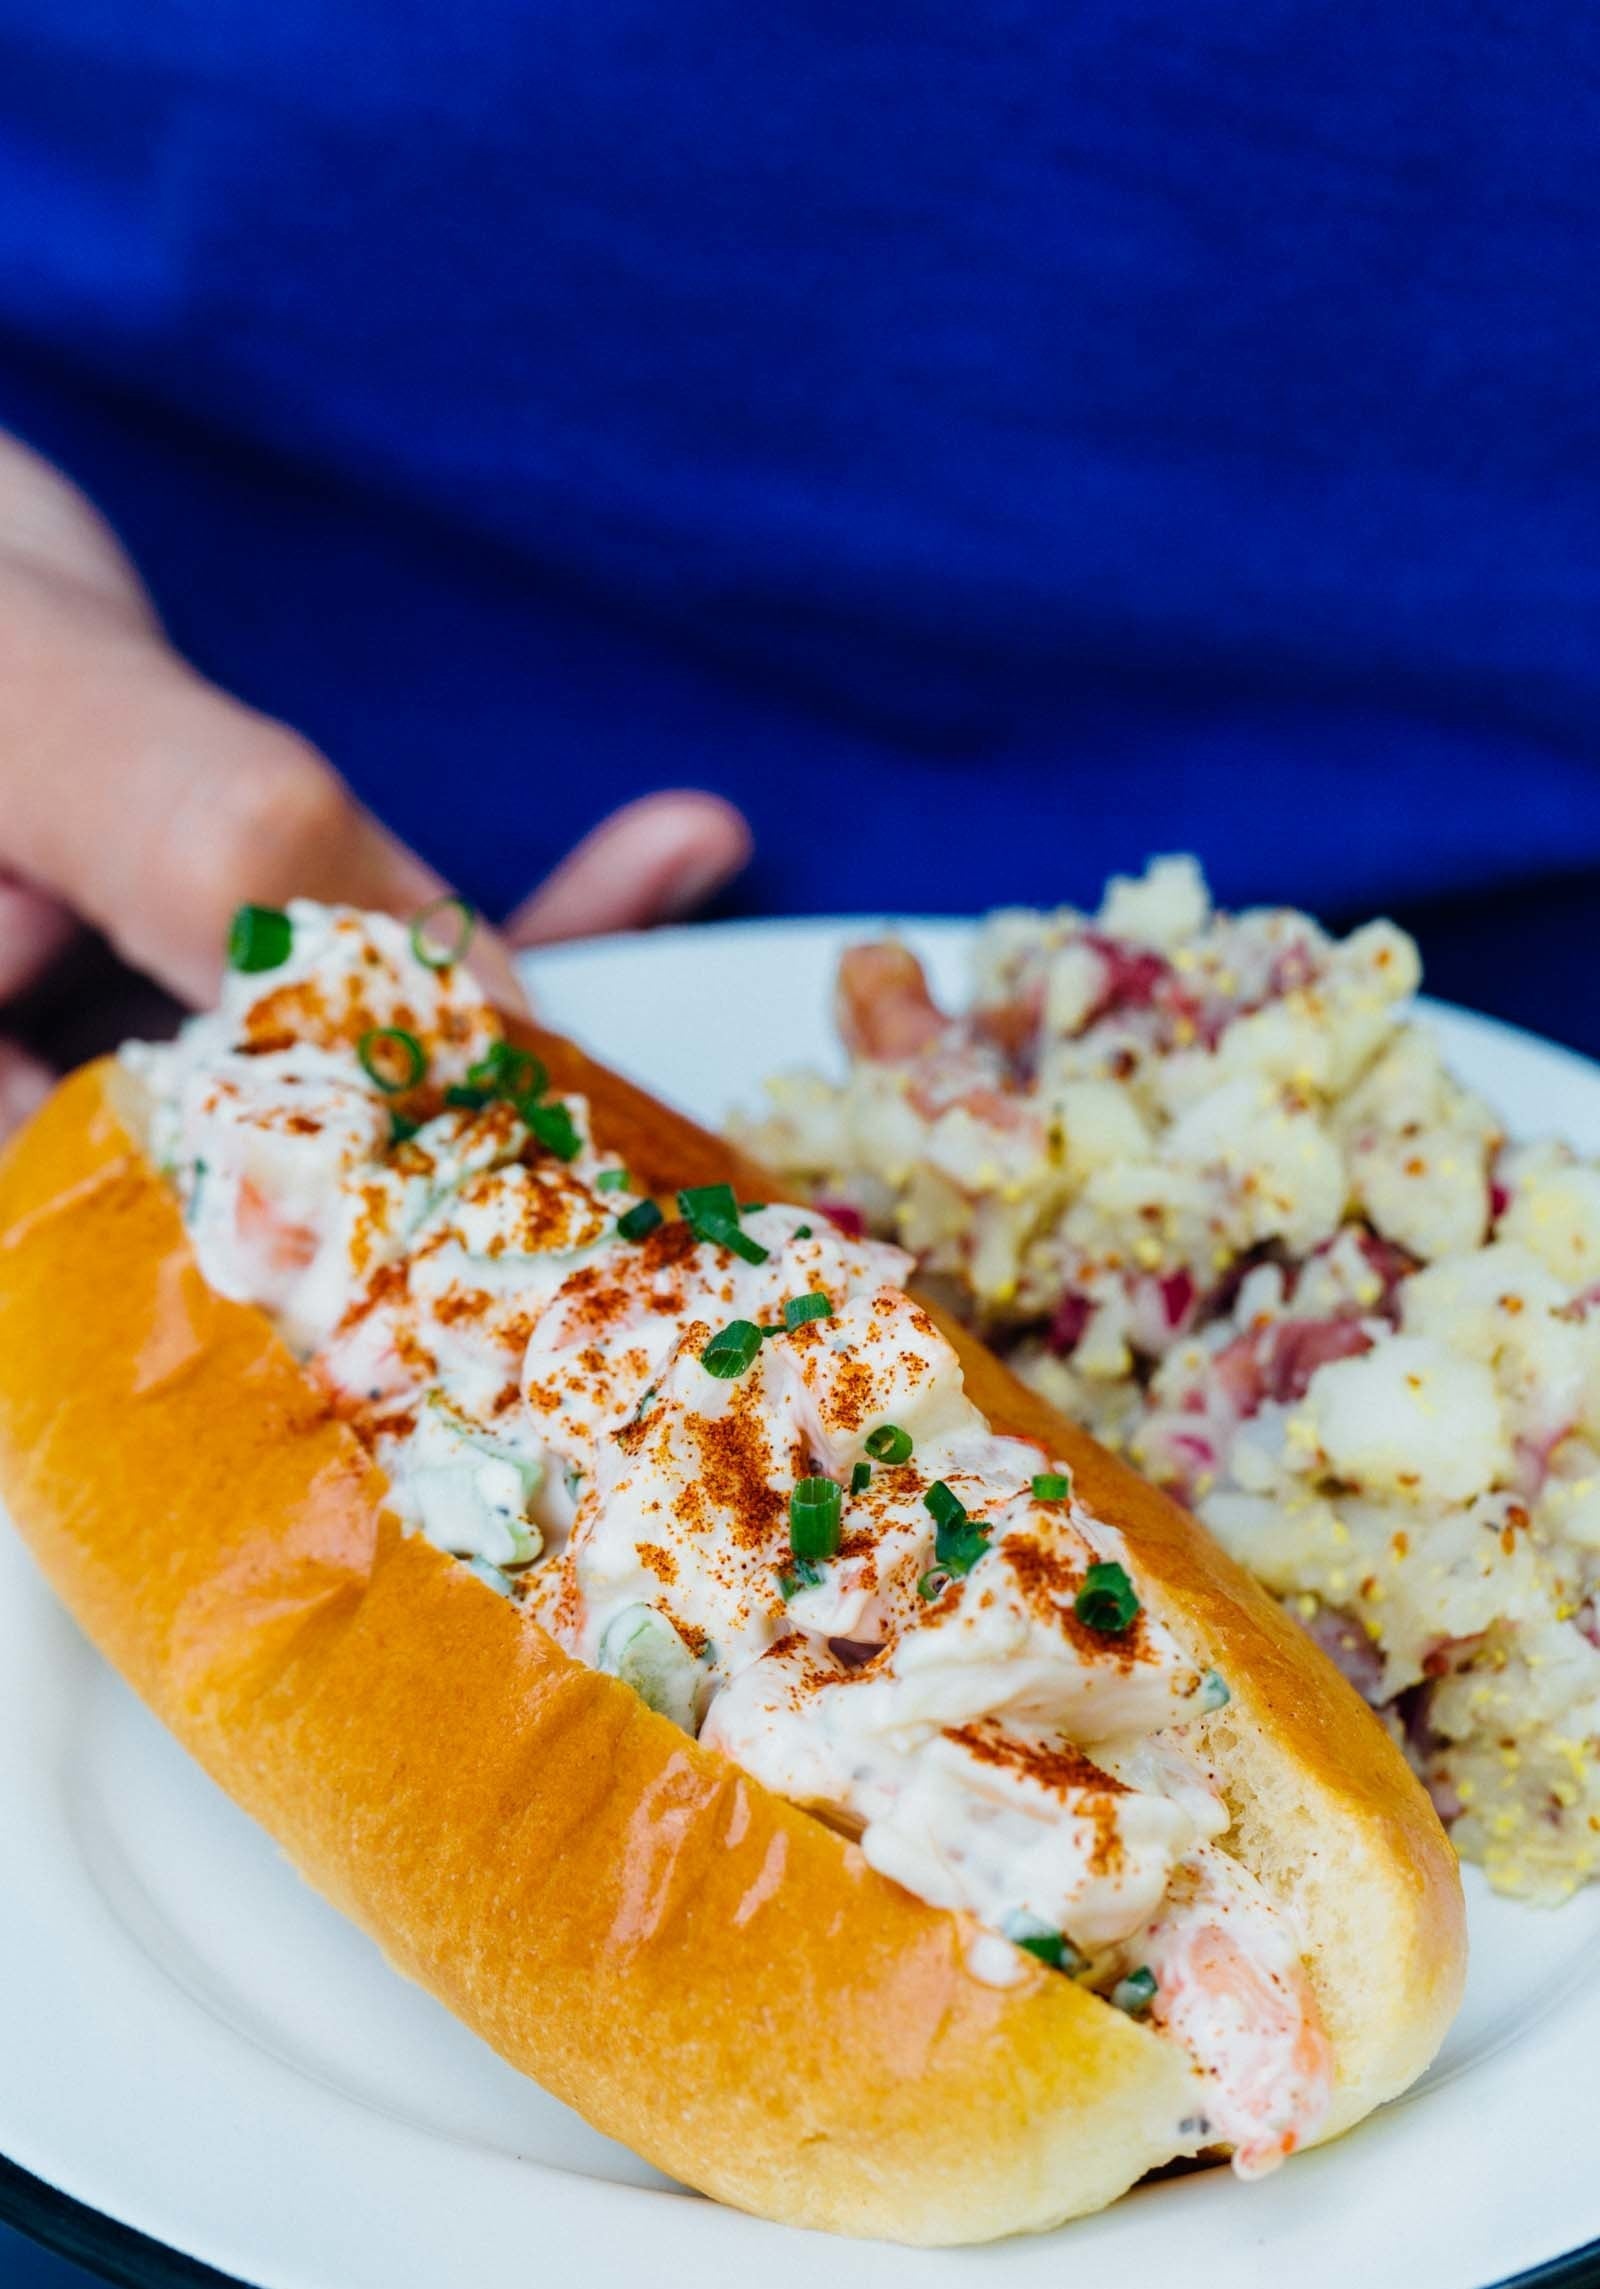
(1052, 1486)
(814, 1509)
(932, 1584)
(768, 1332)
(712, 1214)
(960, 1541)
(1107, 1601)
(751, 1207)
(958, 1548)
(730, 1237)
(1054, 1948)
(729, 1353)
(799, 1309)
(507, 1071)
(803, 1575)
(259, 938)
(428, 950)
(613, 1180)
(638, 1221)
(697, 1200)
(889, 1443)
(1135, 1993)
(802, 1231)
(552, 1125)
(1213, 1692)
(465, 1098)
(943, 1504)
(861, 1478)
(393, 1058)
(402, 1130)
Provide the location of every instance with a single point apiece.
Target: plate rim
(122, 2254)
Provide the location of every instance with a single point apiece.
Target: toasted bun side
(1326, 1811)
(706, 1973)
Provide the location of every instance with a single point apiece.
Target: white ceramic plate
(194, 2045)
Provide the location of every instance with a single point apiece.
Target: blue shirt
(988, 444)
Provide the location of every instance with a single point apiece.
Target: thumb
(150, 803)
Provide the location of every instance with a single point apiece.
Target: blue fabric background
(987, 443)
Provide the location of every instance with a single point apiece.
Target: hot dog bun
(706, 1973)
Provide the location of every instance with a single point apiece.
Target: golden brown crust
(703, 1971)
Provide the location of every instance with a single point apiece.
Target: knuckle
(283, 816)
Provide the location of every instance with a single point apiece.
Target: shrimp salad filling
(1211, 1187)
(723, 1456)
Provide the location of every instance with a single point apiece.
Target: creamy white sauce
(534, 1385)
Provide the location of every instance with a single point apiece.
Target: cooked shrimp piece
(1231, 1989)
(279, 1245)
(885, 1010)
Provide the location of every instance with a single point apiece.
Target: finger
(24, 1086)
(652, 861)
(34, 929)
(153, 805)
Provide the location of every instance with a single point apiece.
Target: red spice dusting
(735, 1463)
(1063, 1771)
(1050, 1581)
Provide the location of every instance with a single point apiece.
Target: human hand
(141, 801)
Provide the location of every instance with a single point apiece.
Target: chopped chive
(861, 1478)
(1052, 1486)
(751, 1207)
(401, 1130)
(958, 1548)
(259, 938)
(638, 1221)
(613, 1180)
(814, 1508)
(802, 1575)
(768, 1332)
(943, 1504)
(1054, 1948)
(507, 1071)
(465, 1098)
(393, 1058)
(1107, 1601)
(802, 1231)
(933, 1583)
(552, 1125)
(799, 1309)
(697, 1200)
(1135, 1993)
(730, 1352)
(428, 949)
(960, 1541)
(889, 1443)
(712, 1214)
(729, 1236)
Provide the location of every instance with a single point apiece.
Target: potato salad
(714, 1448)
(1208, 1182)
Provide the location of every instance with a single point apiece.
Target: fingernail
(689, 885)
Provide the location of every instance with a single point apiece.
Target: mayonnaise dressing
(534, 1383)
